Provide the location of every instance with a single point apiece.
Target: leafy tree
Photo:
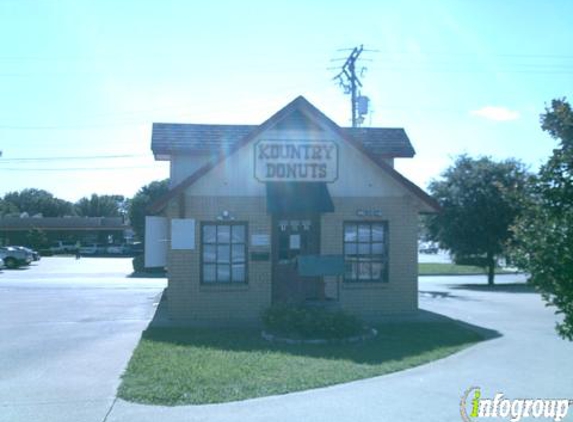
(37, 239)
(7, 208)
(139, 203)
(38, 201)
(544, 233)
(101, 206)
(480, 200)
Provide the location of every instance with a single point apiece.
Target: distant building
(87, 230)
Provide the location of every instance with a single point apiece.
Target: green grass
(453, 269)
(175, 366)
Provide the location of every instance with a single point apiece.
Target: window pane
(377, 248)
(350, 232)
(364, 248)
(238, 234)
(223, 234)
(350, 248)
(239, 273)
(223, 254)
(209, 253)
(209, 234)
(223, 273)
(351, 270)
(377, 270)
(364, 270)
(364, 233)
(238, 253)
(377, 232)
(209, 275)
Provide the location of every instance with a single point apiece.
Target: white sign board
(183, 233)
(296, 161)
(156, 242)
(260, 240)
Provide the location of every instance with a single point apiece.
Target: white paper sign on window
(183, 233)
(294, 241)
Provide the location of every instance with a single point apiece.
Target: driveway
(67, 331)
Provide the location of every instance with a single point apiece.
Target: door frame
(316, 221)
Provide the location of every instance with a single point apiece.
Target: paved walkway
(528, 360)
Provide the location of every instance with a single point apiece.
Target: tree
(544, 234)
(38, 201)
(37, 239)
(480, 200)
(101, 206)
(139, 203)
(7, 208)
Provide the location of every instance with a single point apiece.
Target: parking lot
(68, 329)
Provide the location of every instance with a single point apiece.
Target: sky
(82, 81)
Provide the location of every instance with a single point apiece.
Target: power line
(74, 158)
(77, 168)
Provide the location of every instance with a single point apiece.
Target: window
(223, 253)
(366, 251)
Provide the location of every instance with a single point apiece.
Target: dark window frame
(367, 258)
(216, 245)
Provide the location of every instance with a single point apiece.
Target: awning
(298, 197)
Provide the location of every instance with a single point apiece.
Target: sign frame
(310, 142)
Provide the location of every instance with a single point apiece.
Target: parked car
(428, 247)
(14, 258)
(1, 263)
(35, 255)
(116, 250)
(89, 249)
(63, 247)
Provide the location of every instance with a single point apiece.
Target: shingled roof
(170, 138)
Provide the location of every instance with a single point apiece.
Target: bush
(311, 323)
(139, 266)
(45, 252)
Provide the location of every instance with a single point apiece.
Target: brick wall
(222, 304)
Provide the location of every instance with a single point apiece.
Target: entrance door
(294, 236)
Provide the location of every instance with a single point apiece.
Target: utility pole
(348, 80)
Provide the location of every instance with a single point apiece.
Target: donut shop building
(294, 210)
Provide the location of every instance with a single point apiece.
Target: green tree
(139, 203)
(480, 200)
(38, 201)
(101, 206)
(7, 208)
(544, 233)
(37, 239)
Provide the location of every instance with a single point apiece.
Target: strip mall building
(294, 210)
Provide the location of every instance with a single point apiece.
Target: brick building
(294, 210)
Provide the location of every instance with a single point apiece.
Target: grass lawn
(175, 366)
(453, 269)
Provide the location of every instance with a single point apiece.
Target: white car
(14, 258)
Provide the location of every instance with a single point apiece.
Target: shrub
(139, 266)
(310, 322)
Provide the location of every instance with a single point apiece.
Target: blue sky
(88, 78)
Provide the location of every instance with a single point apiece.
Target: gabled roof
(298, 104)
(172, 138)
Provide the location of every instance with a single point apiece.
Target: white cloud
(500, 114)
